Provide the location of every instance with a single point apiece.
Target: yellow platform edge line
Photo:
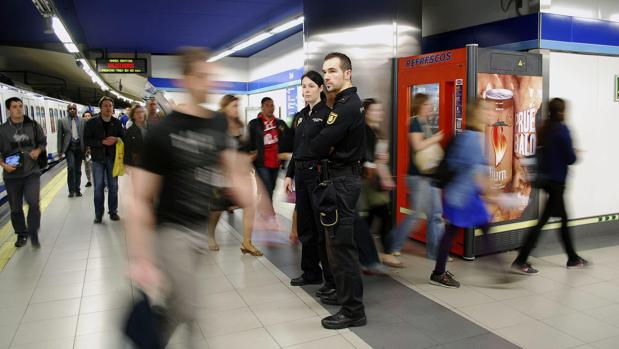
(48, 193)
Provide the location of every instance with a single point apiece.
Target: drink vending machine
(512, 82)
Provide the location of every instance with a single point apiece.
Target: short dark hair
(265, 99)
(190, 55)
(315, 77)
(8, 102)
(105, 98)
(345, 63)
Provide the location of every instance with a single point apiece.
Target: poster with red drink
(511, 139)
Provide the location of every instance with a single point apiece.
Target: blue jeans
(102, 174)
(424, 199)
(268, 176)
(74, 158)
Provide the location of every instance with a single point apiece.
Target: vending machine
(512, 83)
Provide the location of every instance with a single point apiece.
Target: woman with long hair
(463, 202)
(423, 197)
(556, 154)
(134, 136)
(229, 105)
(303, 169)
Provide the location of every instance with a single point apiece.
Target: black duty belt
(345, 169)
(306, 165)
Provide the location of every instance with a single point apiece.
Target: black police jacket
(256, 139)
(305, 126)
(342, 140)
(94, 134)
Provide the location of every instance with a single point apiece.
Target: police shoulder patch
(331, 118)
(299, 121)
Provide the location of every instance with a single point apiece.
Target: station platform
(73, 293)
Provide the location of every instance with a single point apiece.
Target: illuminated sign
(121, 65)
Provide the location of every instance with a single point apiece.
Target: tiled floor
(73, 294)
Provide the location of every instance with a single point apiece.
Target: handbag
(142, 325)
(119, 158)
(428, 159)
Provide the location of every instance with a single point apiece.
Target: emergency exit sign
(616, 88)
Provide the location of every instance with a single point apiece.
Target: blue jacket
(556, 154)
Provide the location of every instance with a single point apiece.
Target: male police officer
(342, 143)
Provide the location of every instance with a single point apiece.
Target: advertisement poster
(511, 140)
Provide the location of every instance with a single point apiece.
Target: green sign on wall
(616, 88)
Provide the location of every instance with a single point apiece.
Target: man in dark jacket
(268, 136)
(22, 141)
(101, 134)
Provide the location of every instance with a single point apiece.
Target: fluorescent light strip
(291, 24)
(260, 37)
(252, 41)
(61, 31)
(65, 38)
(220, 56)
(71, 48)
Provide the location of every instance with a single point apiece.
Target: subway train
(46, 111)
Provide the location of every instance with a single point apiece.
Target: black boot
(340, 321)
(330, 299)
(325, 291)
(301, 281)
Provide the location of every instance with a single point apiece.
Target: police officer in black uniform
(303, 168)
(342, 143)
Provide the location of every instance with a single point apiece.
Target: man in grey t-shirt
(22, 141)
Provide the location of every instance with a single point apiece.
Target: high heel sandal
(255, 252)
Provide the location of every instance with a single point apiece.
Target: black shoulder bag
(42, 160)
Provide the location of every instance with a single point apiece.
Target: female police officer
(303, 168)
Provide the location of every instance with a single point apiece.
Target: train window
(26, 110)
(54, 120)
(32, 111)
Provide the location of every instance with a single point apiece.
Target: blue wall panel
(521, 30)
(579, 34)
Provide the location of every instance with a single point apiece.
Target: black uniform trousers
(341, 247)
(310, 231)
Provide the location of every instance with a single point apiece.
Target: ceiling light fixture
(258, 38)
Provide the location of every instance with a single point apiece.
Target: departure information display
(121, 65)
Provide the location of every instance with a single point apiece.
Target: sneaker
(577, 263)
(445, 279)
(525, 268)
(114, 217)
(22, 239)
(88, 184)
